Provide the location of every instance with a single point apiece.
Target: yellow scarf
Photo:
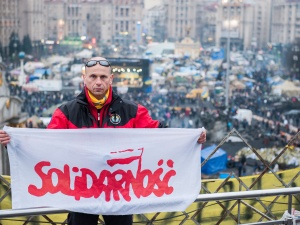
(98, 103)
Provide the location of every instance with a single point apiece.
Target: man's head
(98, 76)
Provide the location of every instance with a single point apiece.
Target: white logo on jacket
(115, 119)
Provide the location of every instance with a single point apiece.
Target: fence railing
(201, 198)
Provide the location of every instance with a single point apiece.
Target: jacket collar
(84, 99)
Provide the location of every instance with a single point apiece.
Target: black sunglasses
(93, 62)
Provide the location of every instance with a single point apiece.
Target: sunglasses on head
(93, 62)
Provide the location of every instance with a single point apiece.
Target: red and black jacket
(116, 113)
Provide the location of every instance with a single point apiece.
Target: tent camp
(216, 163)
(287, 88)
(85, 53)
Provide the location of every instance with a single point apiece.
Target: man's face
(98, 79)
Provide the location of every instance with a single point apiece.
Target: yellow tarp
(128, 75)
(211, 212)
(197, 93)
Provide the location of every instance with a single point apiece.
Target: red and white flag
(105, 171)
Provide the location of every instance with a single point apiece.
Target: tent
(292, 112)
(85, 53)
(288, 88)
(33, 77)
(216, 163)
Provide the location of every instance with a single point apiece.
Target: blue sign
(218, 55)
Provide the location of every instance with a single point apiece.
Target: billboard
(131, 73)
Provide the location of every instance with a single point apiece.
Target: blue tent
(41, 71)
(249, 84)
(159, 70)
(216, 163)
(218, 54)
(33, 77)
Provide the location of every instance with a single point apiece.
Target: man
(98, 106)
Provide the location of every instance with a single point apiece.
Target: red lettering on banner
(112, 184)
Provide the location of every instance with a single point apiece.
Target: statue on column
(188, 30)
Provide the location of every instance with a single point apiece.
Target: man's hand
(202, 137)
(4, 138)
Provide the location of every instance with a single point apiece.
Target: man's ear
(83, 76)
(112, 79)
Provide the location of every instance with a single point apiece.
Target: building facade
(245, 22)
(155, 24)
(126, 21)
(116, 21)
(9, 22)
(252, 23)
(286, 21)
(32, 19)
(55, 28)
(206, 18)
(181, 19)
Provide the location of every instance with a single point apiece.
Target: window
(117, 11)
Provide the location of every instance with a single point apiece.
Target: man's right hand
(4, 138)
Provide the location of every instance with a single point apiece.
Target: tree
(1, 50)
(27, 45)
(14, 44)
(291, 54)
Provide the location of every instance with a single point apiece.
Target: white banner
(105, 171)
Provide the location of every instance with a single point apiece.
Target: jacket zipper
(103, 111)
(98, 119)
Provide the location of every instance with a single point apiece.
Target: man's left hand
(202, 137)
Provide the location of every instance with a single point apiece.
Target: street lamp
(295, 51)
(22, 74)
(15, 45)
(138, 32)
(229, 24)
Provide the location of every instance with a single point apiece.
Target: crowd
(178, 111)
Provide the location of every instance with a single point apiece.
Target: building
(206, 18)
(246, 24)
(126, 21)
(22, 17)
(286, 21)
(262, 24)
(9, 22)
(56, 21)
(194, 18)
(100, 21)
(155, 24)
(32, 19)
(188, 48)
(32, 22)
(181, 19)
(121, 22)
